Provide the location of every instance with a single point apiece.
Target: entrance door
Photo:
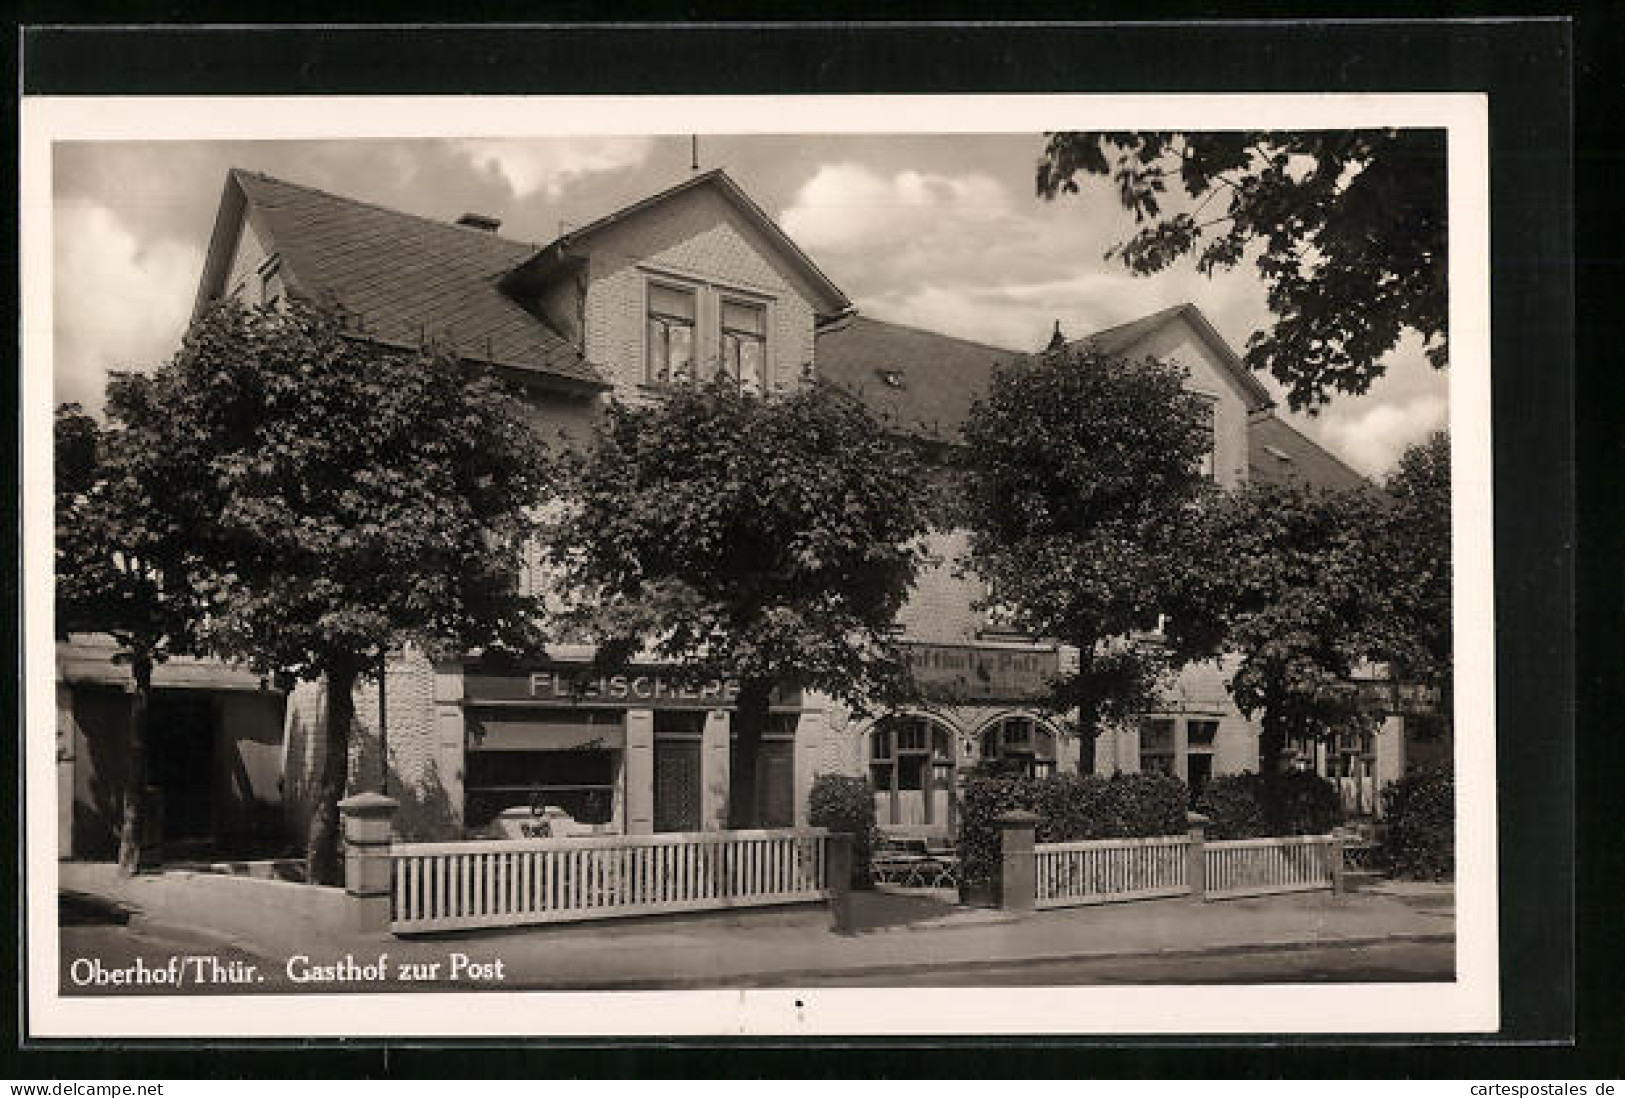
(777, 784)
(181, 745)
(677, 785)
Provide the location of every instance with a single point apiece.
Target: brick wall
(699, 238)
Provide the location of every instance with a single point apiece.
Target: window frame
(667, 320)
(725, 298)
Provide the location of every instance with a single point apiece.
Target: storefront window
(1157, 749)
(774, 794)
(582, 782)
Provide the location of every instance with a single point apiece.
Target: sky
(938, 231)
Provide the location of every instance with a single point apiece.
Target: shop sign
(968, 673)
(652, 688)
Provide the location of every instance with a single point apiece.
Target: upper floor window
(671, 333)
(1208, 465)
(743, 344)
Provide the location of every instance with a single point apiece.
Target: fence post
(369, 824)
(838, 879)
(1018, 879)
(1196, 853)
(1334, 851)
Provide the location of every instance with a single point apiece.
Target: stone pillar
(1018, 881)
(1334, 853)
(1196, 866)
(369, 826)
(714, 771)
(449, 746)
(638, 775)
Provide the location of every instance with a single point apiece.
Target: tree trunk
(135, 778)
(324, 862)
(750, 719)
(1271, 745)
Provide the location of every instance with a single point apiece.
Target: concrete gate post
(1196, 852)
(369, 826)
(838, 880)
(1018, 879)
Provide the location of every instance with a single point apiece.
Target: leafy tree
(1082, 472)
(1294, 588)
(1418, 554)
(1349, 226)
(124, 565)
(356, 498)
(767, 539)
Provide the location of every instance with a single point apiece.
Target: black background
(1562, 1016)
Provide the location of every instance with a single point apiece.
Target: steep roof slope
(920, 383)
(1277, 453)
(1121, 337)
(405, 278)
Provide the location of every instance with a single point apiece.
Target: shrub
(846, 805)
(1251, 806)
(1069, 807)
(1420, 839)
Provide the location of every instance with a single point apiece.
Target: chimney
(1056, 341)
(483, 222)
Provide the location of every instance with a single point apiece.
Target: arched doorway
(911, 769)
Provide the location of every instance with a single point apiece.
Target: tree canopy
(125, 565)
(767, 539)
(347, 498)
(1418, 551)
(1347, 228)
(1082, 472)
(1294, 588)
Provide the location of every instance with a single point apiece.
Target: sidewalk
(894, 934)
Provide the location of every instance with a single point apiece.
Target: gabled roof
(405, 279)
(834, 303)
(1121, 337)
(923, 382)
(1277, 453)
(919, 383)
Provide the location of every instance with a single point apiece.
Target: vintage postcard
(758, 566)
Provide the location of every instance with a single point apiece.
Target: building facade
(690, 281)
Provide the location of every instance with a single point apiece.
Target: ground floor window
(580, 781)
(911, 761)
(1180, 747)
(1022, 744)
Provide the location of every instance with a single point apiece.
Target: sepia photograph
(855, 576)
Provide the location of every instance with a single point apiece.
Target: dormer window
(744, 344)
(671, 334)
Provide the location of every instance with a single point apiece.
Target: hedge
(846, 805)
(1069, 807)
(1255, 806)
(1420, 838)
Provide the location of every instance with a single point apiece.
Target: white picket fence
(1100, 871)
(1258, 867)
(1105, 871)
(464, 885)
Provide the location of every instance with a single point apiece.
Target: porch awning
(576, 731)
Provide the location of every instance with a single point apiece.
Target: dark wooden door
(677, 785)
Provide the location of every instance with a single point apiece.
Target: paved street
(906, 941)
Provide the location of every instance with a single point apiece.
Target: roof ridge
(380, 208)
(1151, 320)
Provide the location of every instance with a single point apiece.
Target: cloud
(1372, 439)
(118, 303)
(549, 165)
(846, 207)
